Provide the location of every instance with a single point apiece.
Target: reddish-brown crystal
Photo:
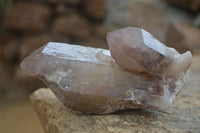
(91, 81)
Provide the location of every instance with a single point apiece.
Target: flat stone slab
(182, 116)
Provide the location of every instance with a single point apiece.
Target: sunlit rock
(142, 73)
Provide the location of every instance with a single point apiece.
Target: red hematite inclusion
(142, 72)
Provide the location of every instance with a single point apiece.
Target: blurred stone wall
(192, 5)
(154, 16)
(167, 20)
(32, 23)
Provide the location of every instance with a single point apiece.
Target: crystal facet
(142, 72)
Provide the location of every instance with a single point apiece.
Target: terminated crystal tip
(137, 50)
(142, 72)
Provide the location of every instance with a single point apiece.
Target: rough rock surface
(28, 17)
(182, 116)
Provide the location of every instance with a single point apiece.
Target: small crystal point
(142, 72)
(137, 50)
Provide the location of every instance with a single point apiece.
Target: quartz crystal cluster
(138, 71)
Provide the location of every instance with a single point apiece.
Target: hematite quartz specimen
(142, 72)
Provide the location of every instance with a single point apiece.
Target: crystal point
(142, 72)
(136, 50)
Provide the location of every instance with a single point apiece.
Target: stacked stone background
(32, 23)
(192, 5)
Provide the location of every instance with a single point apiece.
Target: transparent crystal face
(96, 73)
